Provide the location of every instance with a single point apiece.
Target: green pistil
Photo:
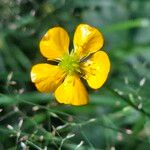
(70, 63)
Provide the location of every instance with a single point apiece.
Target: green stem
(129, 102)
(33, 145)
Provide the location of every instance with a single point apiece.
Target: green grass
(117, 116)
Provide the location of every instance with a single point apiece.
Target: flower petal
(72, 91)
(46, 77)
(87, 40)
(96, 69)
(55, 43)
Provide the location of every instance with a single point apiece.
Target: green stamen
(70, 63)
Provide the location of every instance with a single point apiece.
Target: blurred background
(118, 115)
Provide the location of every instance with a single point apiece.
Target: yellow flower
(83, 61)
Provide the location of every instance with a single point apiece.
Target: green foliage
(118, 115)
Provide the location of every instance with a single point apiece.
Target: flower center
(70, 63)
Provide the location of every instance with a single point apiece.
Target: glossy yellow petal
(87, 40)
(46, 77)
(96, 69)
(55, 43)
(72, 91)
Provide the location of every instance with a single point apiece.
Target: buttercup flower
(85, 61)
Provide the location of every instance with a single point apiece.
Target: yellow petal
(55, 43)
(46, 77)
(87, 40)
(96, 69)
(72, 91)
